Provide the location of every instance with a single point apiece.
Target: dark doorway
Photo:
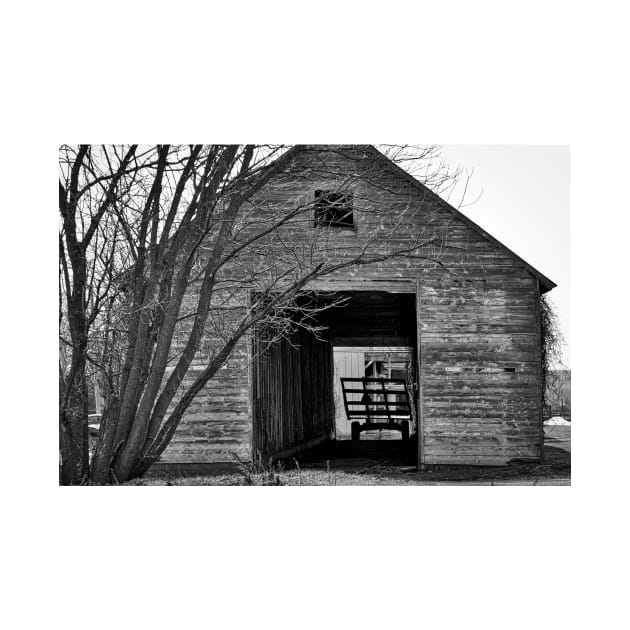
(295, 384)
(373, 336)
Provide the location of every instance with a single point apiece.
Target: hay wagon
(376, 403)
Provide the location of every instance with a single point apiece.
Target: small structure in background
(95, 413)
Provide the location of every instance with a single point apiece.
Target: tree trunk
(100, 471)
(73, 433)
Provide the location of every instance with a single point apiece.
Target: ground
(372, 463)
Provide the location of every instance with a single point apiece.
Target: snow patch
(556, 421)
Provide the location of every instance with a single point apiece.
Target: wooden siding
(292, 395)
(476, 412)
(217, 425)
(216, 428)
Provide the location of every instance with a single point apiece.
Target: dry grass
(285, 478)
(338, 478)
(555, 471)
(524, 474)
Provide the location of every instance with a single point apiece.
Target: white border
(484, 72)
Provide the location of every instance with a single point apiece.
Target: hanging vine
(551, 342)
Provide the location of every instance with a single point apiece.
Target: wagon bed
(384, 404)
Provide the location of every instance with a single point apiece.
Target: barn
(452, 336)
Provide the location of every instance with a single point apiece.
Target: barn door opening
(374, 352)
(297, 398)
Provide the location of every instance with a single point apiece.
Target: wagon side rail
(376, 398)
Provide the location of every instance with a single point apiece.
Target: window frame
(319, 199)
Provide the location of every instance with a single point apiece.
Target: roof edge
(546, 284)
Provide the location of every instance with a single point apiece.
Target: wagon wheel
(355, 431)
(404, 429)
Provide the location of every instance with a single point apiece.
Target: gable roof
(546, 284)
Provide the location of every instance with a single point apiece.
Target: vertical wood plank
(420, 413)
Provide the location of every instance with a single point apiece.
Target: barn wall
(478, 316)
(216, 427)
(480, 372)
(291, 395)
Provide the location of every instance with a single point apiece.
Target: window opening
(333, 209)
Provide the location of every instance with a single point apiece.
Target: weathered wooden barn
(461, 323)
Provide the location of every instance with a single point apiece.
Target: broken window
(333, 209)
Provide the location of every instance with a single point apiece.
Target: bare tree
(158, 246)
(83, 216)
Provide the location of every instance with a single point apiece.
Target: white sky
(525, 203)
